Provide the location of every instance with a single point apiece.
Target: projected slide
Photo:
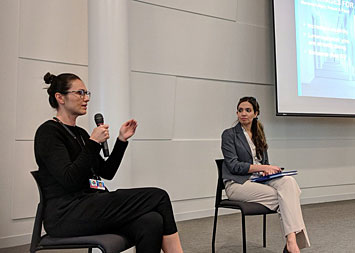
(325, 43)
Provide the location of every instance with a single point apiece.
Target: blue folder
(277, 175)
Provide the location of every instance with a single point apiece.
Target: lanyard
(71, 133)
(81, 144)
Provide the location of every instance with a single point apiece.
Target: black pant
(144, 215)
(146, 232)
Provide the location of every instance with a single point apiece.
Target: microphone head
(99, 119)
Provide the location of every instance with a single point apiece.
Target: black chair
(107, 243)
(246, 208)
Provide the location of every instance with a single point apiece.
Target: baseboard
(307, 200)
(16, 240)
(202, 214)
(327, 198)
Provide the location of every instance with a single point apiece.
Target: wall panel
(55, 30)
(254, 12)
(204, 108)
(32, 107)
(173, 164)
(186, 169)
(24, 192)
(327, 194)
(225, 9)
(183, 44)
(198, 114)
(304, 128)
(152, 105)
(315, 160)
(11, 232)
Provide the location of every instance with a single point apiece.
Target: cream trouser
(282, 195)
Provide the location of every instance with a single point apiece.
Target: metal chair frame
(107, 243)
(246, 209)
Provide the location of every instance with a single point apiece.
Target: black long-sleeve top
(65, 165)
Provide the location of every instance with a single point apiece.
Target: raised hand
(127, 130)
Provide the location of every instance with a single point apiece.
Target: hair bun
(48, 78)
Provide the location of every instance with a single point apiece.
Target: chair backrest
(220, 184)
(37, 227)
(105, 242)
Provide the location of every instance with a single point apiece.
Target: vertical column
(109, 66)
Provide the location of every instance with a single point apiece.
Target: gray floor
(331, 228)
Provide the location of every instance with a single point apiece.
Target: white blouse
(256, 160)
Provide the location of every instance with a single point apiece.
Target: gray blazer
(237, 155)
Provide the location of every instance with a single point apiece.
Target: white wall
(198, 62)
(37, 36)
(190, 62)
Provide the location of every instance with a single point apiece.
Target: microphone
(99, 120)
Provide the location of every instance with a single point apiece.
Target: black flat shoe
(285, 249)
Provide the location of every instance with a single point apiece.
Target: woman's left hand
(127, 130)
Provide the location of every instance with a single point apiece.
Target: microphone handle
(105, 149)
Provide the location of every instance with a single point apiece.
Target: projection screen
(314, 57)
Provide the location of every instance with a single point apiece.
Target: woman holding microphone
(70, 170)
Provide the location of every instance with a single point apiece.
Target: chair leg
(264, 230)
(214, 230)
(244, 234)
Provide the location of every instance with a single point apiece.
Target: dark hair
(257, 128)
(60, 83)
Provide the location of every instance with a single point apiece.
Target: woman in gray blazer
(244, 149)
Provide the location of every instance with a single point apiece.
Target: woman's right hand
(100, 133)
(270, 169)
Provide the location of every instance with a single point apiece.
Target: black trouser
(141, 214)
(146, 232)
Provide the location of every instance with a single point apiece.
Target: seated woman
(244, 149)
(68, 158)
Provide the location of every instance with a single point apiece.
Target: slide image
(325, 31)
